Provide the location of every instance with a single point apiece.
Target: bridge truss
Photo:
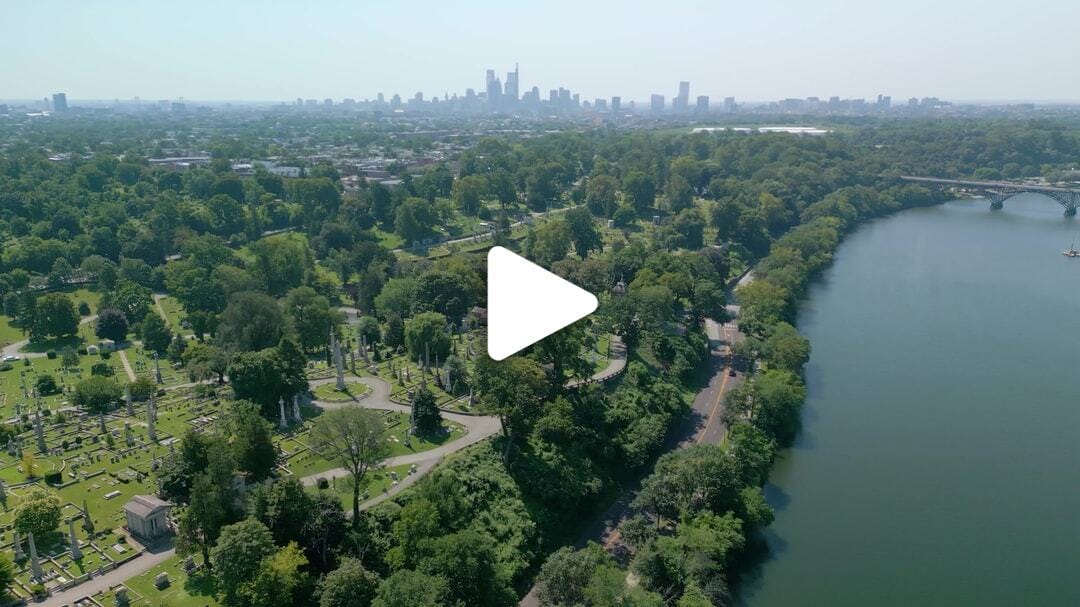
(997, 192)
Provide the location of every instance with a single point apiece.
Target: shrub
(51, 354)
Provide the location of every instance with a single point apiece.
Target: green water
(939, 462)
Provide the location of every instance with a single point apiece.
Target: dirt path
(127, 366)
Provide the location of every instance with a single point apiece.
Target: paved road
(13, 349)
(614, 367)
(469, 238)
(702, 425)
(477, 428)
(128, 570)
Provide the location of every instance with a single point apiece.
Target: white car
(11, 358)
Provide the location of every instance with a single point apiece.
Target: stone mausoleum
(147, 516)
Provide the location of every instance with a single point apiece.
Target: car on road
(11, 358)
(731, 372)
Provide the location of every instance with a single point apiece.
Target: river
(940, 454)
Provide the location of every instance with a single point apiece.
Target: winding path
(477, 428)
(15, 349)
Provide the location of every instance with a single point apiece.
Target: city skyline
(771, 50)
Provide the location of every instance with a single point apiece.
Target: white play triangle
(526, 303)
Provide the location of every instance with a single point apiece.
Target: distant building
(59, 102)
(494, 89)
(147, 516)
(702, 103)
(616, 104)
(681, 102)
(600, 104)
(656, 103)
(510, 91)
(729, 104)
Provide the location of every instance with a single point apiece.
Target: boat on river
(1071, 251)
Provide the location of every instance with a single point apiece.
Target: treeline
(701, 511)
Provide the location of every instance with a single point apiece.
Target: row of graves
(101, 467)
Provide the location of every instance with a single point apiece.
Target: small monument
(122, 599)
(35, 565)
(127, 401)
(76, 552)
(15, 539)
(296, 408)
(101, 423)
(129, 437)
(157, 369)
(161, 581)
(282, 422)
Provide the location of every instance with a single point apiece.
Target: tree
(566, 574)
(203, 361)
(38, 512)
(237, 558)
(155, 333)
(212, 505)
(131, 298)
(96, 394)
(448, 293)
(468, 192)
(396, 298)
(601, 194)
(354, 438)
(250, 439)
(513, 389)
(281, 580)
(265, 376)
(428, 418)
(467, 561)
(785, 348)
(111, 324)
(426, 336)
(640, 190)
(252, 321)
(310, 316)
(45, 384)
(280, 263)
(550, 242)
(583, 232)
(408, 588)
(350, 585)
(54, 316)
(283, 506)
(691, 226)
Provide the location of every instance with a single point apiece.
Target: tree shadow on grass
(56, 344)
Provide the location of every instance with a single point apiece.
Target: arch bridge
(1000, 191)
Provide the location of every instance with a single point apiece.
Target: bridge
(1000, 191)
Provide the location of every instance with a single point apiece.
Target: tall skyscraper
(616, 104)
(656, 103)
(493, 88)
(681, 102)
(702, 103)
(510, 91)
(59, 102)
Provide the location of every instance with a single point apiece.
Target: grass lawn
(196, 590)
(175, 314)
(330, 393)
(375, 482)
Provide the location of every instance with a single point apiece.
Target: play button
(526, 303)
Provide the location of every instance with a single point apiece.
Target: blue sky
(753, 49)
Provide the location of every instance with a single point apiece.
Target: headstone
(101, 423)
(127, 401)
(122, 599)
(157, 369)
(161, 580)
(18, 545)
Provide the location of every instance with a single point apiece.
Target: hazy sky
(752, 49)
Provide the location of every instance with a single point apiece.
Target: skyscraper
(510, 91)
(59, 102)
(656, 103)
(493, 88)
(616, 104)
(702, 103)
(681, 102)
